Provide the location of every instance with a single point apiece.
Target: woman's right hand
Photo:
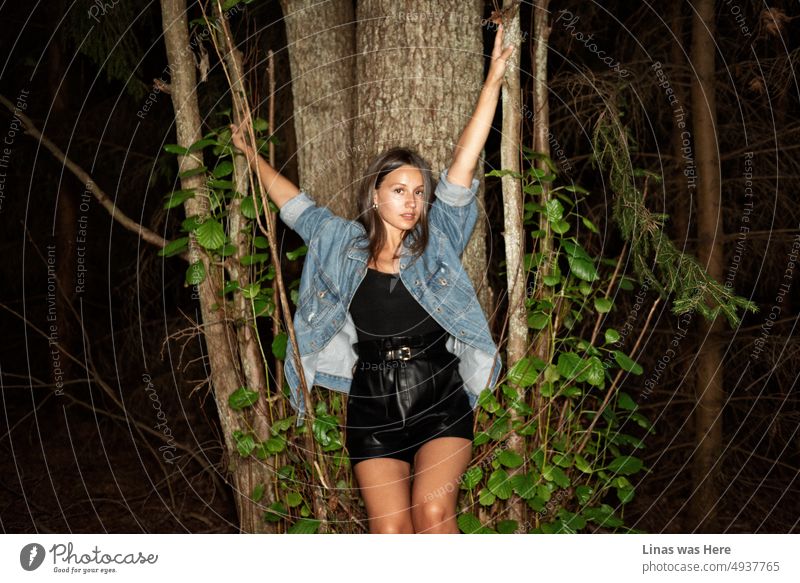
(240, 136)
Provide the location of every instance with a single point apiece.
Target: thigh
(385, 485)
(438, 467)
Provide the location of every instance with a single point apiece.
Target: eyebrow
(403, 184)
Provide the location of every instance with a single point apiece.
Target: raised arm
(473, 138)
(279, 188)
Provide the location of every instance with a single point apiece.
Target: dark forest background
(75, 458)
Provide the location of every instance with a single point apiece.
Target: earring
(375, 205)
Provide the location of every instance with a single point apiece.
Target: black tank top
(382, 306)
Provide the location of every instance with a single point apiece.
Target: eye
(398, 190)
(420, 193)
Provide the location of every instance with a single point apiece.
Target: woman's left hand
(499, 57)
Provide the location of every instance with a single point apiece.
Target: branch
(91, 185)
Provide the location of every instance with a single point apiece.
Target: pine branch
(672, 272)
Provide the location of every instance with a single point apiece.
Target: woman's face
(400, 198)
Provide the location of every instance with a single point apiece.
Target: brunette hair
(368, 216)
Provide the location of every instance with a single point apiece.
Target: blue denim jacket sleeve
(302, 215)
(457, 216)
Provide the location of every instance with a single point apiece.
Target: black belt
(402, 347)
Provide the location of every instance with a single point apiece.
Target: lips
(409, 216)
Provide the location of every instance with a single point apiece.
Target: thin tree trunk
(253, 364)
(514, 234)
(709, 390)
(422, 67)
(220, 339)
(541, 143)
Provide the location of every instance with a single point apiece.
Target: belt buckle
(402, 353)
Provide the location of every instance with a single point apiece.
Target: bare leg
(438, 467)
(385, 484)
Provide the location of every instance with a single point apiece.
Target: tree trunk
(514, 236)
(220, 339)
(321, 40)
(422, 70)
(709, 391)
(541, 143)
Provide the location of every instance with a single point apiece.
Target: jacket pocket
(450, 294)
(317, 302)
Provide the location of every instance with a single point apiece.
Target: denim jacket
(335, 265)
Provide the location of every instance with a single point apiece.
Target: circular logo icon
(31, 556)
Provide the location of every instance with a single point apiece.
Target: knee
(391, 527)
(433, 518)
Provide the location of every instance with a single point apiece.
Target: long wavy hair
(368, 216)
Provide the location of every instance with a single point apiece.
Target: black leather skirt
(396, 406)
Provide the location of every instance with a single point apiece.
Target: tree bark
(321, 39)
(514, 234)
(422, 70)
(708, 390)
(221, 340)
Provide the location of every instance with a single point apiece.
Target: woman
(387, 315)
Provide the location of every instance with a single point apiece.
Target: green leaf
(538, 320)
(175, 149)
(249, 210)
(524, 485)
(627, 364)
(554, 210)
(603, 305)
(500, 484)
(582, 464)
(260, 242)
(279, 346)
(193, 172)
(625, 495)
(304, 526)
(556, 475)
(275, 512)
(223, 169)
(210, 234)
(175, 247)
(200, 144)
(569, 364)
(595, 374)
(485, 497)
(471, 478)
(299, 252)
(195, 273)
(624, 401)
(580, 263)
(501, 173)
(551, 280)
(560, 227)
(293, 499)
(259, 124)
(255, 258)
(245, 444)
(590, 225)
(576, 188)
(604, 516)
(583, 493)
(524, 373)
(242, 397)
(625, 465)
(562, 459)
(468, 523)
(258, 493)
(510, 459)
(177, 197)
(251, 291)
(611, 336)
